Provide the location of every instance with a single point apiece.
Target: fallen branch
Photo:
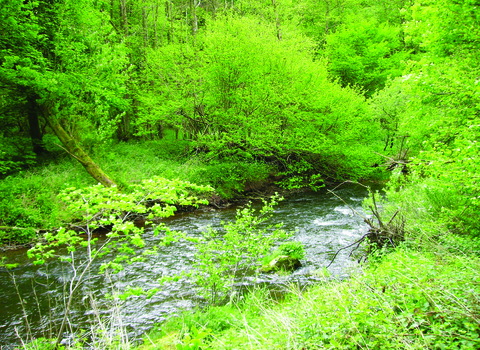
(348, 246)
(392, 163)
(379, 234)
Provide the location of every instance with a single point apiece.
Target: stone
(282, 262)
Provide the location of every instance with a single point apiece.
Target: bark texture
(72, 147)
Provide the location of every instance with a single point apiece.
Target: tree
(64, 57)
(366, 54)
(439, 108)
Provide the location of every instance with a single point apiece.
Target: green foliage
(260, 93)
(443, 27)
(365, 54)
(238, 102)
(193, 340)
(99, 206)
(30, 201)
(300, 174)
(15, 155)
(292, 249)
(227, 177)
(431, 112)
(408, 299)
(43, 344)
(59, 61)
(106, 207)
(216, 319)
(194, 326)
(5, 265)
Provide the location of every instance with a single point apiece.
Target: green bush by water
(291, 249)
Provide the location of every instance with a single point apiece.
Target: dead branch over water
(380, 234)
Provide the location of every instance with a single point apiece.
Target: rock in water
(282, 262)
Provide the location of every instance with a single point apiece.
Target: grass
(28, 199)
(408, 299)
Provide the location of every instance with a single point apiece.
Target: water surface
(323, 223)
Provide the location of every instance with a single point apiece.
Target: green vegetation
(408, 299)
(111, 109)
(291, 249)
(30, 199)
(242, 244)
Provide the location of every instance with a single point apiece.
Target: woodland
(111, 110)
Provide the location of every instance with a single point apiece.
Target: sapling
(99, 206)
(224, 258)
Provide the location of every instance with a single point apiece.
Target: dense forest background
(308, 90)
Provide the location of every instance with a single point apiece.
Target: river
(323, 223)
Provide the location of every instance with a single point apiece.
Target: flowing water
(323, 223)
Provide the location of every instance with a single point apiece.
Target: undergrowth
(29, 199)
(407, 299)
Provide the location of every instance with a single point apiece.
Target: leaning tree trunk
(72, 147)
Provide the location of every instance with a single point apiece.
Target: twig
(348, 246)
(393, 160)
(393, 217)
(353, 210)
(391, 242)
(354, 249)
(377, 215)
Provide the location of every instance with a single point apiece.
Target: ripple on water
(345, 211)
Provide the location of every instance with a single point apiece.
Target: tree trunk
(170, 13)
(145, 28)
(34, 126)
(194, 19)
(77, 152)
(155, 42)
(123, 11)
(277, 21)
(327, 18)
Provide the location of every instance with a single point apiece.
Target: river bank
(407, 299)
(422, 294)
(323, 224)
(30, 204)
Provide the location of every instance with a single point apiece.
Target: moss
(282, 262)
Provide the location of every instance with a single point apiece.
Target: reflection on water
(323, 223)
